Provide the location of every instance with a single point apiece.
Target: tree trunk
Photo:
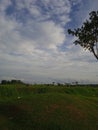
(96, 56)
(97, 48)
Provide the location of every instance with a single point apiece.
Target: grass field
(40, 107)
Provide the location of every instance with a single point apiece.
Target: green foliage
(87, 35)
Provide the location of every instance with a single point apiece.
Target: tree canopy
(87, 34)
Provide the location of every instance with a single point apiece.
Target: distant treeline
(75, 84)
(11, 82)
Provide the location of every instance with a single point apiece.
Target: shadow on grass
(17, 118)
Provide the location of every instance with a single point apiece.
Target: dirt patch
(51, 108)
(48, 112)
(75, 113)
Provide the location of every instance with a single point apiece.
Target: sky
(35, 46)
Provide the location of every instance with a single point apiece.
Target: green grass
(40, 107)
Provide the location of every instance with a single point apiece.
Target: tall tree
(87, 35)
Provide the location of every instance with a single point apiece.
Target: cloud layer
(34, 45)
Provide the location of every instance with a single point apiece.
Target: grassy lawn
(40, 107)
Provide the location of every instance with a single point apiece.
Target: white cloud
(75, 2)
(57, 10)
(45, 35)
(50, 36)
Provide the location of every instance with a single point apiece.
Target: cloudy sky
(35, 46)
